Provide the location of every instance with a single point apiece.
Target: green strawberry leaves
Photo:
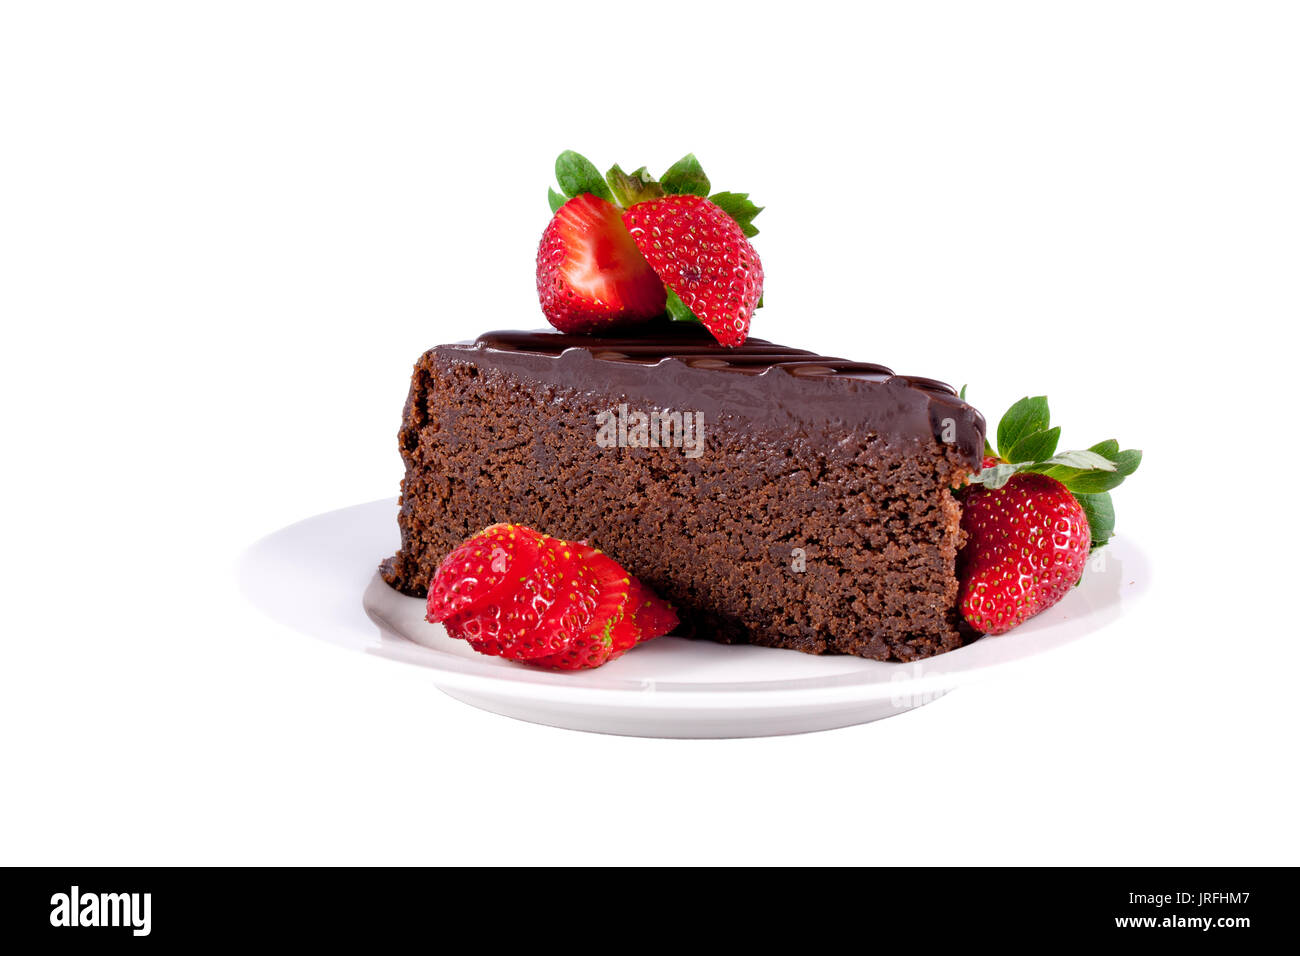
(686, 177)
(1101, 516)
(577, 175)
(1027, 442)
(1036, 446)
(630, 189)
(1024, 418)
(1090, 481)
(739, 208)
(997, 475)
(678, 310)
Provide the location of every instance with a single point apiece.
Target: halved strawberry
(509, 625)
(653, 615)
(512, 592)
(578, 595)
(590, 274)
(694, 241)
(701, 253)
(610, 631)
(475, 572)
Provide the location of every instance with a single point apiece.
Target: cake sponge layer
(769, 535)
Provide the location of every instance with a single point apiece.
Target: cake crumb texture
(763, 538)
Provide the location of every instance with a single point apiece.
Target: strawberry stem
(629, 190)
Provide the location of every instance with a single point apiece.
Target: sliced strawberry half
(610, 632)
(578, 595)
(653, 615)
(590, 273)
(702, 255)
(509, 625)
(512, 592)
(476, 572)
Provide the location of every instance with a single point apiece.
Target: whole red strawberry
(693, 258)
(1031, 518)
(512, 592)
(1026, 545)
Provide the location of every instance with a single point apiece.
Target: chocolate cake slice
(772, 495)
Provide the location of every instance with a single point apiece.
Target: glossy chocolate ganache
(680, 366)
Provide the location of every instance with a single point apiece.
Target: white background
(227, 230)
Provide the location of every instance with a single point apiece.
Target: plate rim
(281, 559)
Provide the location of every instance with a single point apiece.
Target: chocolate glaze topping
(681, 367)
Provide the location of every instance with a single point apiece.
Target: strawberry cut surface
(590, 273)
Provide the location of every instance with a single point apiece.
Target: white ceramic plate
(319, 576)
